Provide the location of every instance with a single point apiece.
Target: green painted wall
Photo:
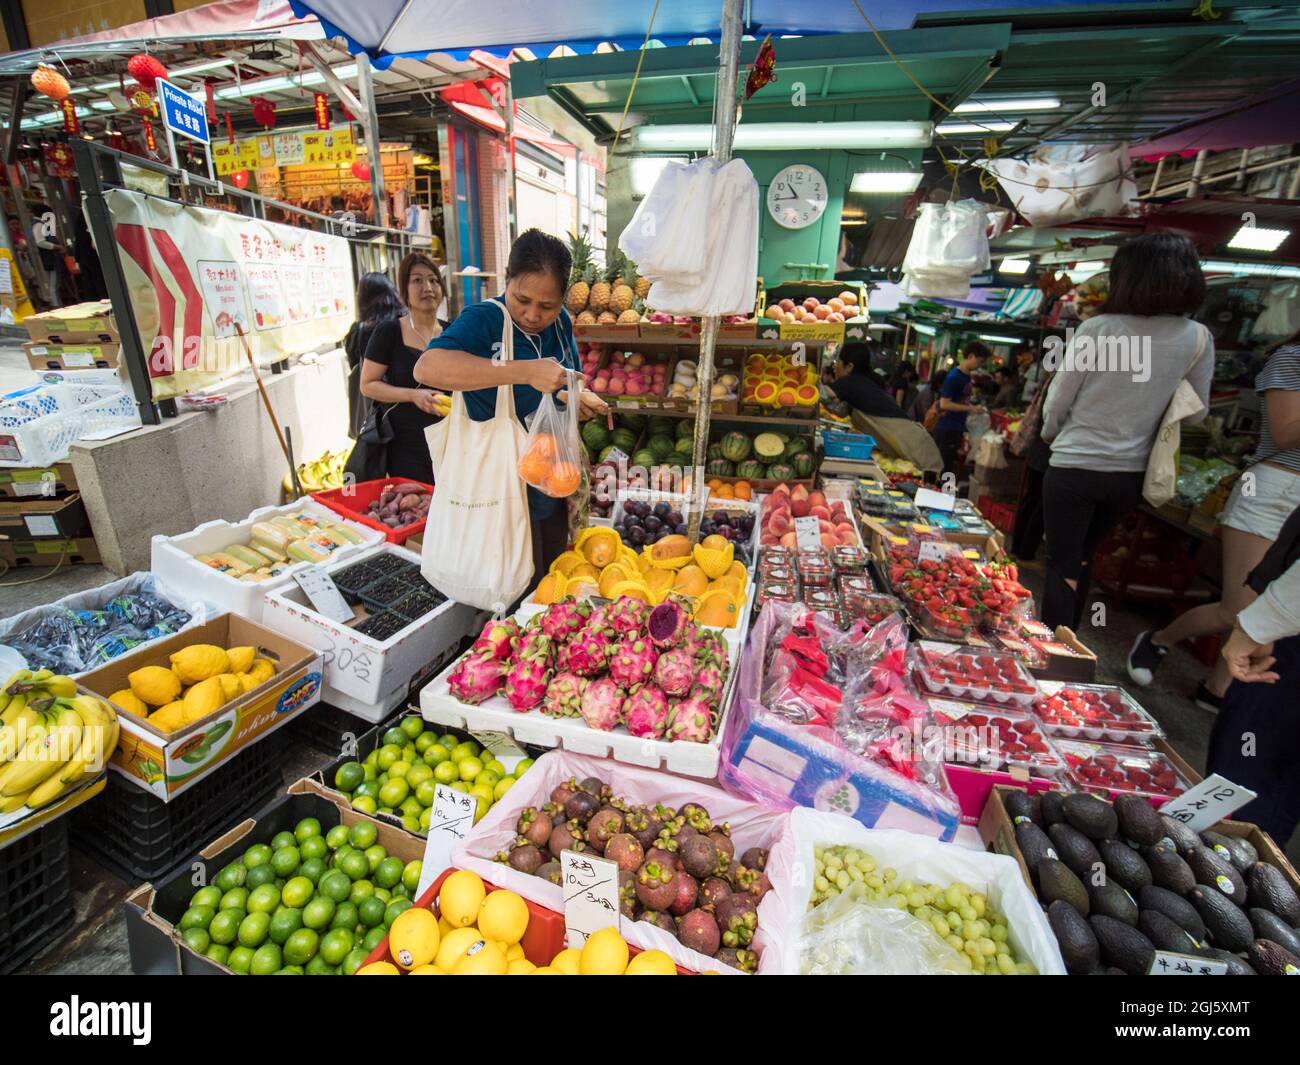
(819, 242)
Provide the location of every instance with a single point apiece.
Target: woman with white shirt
(1110, 390)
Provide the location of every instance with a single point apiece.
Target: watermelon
(736, 447)
(635, 422)
(604, 453)
(685, 446)
(796, 446)
(685, 427)
(751, 470)
(714, 452)
(662, 427)
(803, 465)
(595, 435)
(645, 457)
(720, 468)
(662, 446)
(768, 446)
(780, 471)
(623, 439)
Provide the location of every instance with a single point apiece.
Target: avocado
(1166, 934)
(1268, 925)
(1055, 881)
(1094, 818)
(1226, 924)
(1270, 890)
(1125, 865)
(1122, 945)
(1236, 965)
(1034, 845)
(1138, 821)
(1240, 852)
(1079, 948)
(1023, 807)
(1050, 806)
(1182, 837)
(1111, 900)
(1168, 870)
(1210, 869)
(1175, 907)
(1269, 959)
(1076, 849)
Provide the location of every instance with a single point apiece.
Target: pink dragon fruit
(526, 682)
(667, 624)
(627, 615)
(533, 643)
(602, 704)
(633, 661)
(587, 654)
(564, 619)
(710, 679)
(691, 720)
(712, 645)
(564, 695)
(692, 639)
(646, 712)
(675, 671)
(477, 677)
(496, 638)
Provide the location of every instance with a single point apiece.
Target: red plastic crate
(351, 502)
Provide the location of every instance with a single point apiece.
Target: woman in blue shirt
(460, 360)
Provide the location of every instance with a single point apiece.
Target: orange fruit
(583, 571)
(533, 468)
(738, 570)
(716, 542)
(743, 490)
(542, 444)
(611, 575)
(717, 608)
(549, 589)
(725, 491)
(566, 562)
(691, 580)
(562, 479)
(715, 484)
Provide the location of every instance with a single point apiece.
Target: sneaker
(1207, 700)
(1144, 659)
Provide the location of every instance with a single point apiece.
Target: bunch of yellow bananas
(324, 473)
(50, 737)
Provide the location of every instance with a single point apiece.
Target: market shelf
(749, 419)
(722, 342)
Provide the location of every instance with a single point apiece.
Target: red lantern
(361, 171)
(239, 179)
(264, 113)
(49, 82)
(146, 70)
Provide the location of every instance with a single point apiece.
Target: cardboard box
(48, 481)
(80, 324)
(152, 912)
(1081, 666)
(839, 332)
(166, 763)
(27, 552)
(41, 518)
(43, 356)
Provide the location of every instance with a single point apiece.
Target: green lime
(313, 869)
(393, 909)
(363, 834)
(225, 926)
(289, 970)
(503, 785)
(253, 929)
(266, 960)
(482, 791)
(355, 959)
(497, 767)
(383, 895)
(355, 865)
(446, 772)
(301, 947)
(426, 817)
(424, 741)
(318, 913)
(257, 854)
(412, 725)
(409, 753)
(398, 770)
(335, 945)
(371, 773)
(281, 840)
(297, 892)
(488, 778)
(197, 939)
(522, 768)
(482, 807)
(435, 755)
(335, 885)
(387, 810)
(392, 793)
(336, 837)
(388, 754)
(389, 872)
(400, 892)
(263, 899)
(469, 768)
(411, 823)
(375, 855)
(240, 959)
(460, 786)
(318, 967)
(345, 916)
(361, 890)
(411, 875)
(286, 860)
(207, 896)
(465, 749)
(371, 759)
(374, 937)
(365, 804)
(426, 793)
(418, 774)
(306, 829)
(218, 952)
(259, 875)
(284, 923)
(371, 911)
(232, 876)
(411, 806)
(197, 917)
(396, 737)
(313, 847)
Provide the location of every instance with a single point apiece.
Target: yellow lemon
(128, 700)
(200, 661)
(483, 958)
(445, 927)
(503, 917)
(651, 963)
(155, 685)
(460, 898)
(169, 718)
(453, 946)
(205, 697)
(566, 961)
(426, 970)
(378, 968)
(520, 967)
(231, 686)
(604, 954)
(414, 938)
(241, 658)
(514, 952)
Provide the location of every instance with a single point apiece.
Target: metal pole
(724, 96)
(511, 188)
(370, 127)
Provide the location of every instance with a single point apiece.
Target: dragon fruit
(667, 624)
(675, 671)
(564, 695)
(632, 662)
(692, 639)
(646, 712)
(533, 643)
(477, 677)
(627, 615)
(587, 654)
(526, 682)
(709, 680)
(564, 619)
(713, 646)
(691, 720)
(496, 638)
(602, 704)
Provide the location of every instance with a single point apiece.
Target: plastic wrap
(851, 935)
(551, 461)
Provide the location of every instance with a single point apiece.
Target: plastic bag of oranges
(552, 461)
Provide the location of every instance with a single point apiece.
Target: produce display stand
(35, 894)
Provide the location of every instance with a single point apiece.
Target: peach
(800, 508)
(811, 303)
(820, 512)
(835, 304)
(790, 540)
(798, 492)
(773, 312)
(837, 317)
(817, 498)
(786, 304)
(829, 541)
(822, 312)
(850, 298)
(617, 386)
(849, 539)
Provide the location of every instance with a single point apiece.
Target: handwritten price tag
(326, 599)
(501, 747)
(808, 533)
(590, 895)
(1167, 963)
(1212, 800)
(936, 550)
(928, 497)
(449, 823)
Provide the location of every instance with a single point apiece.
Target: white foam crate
(364, 676)
(172, 558)
(439, 706)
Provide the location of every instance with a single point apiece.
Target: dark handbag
(369, 458)
(1031, 422)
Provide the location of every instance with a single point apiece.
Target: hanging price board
(332, 146)
(321, 105)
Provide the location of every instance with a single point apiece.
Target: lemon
(378, 968)
(520, 967)
(502, 787)
(453, 947)
(445, 927)
(566, 961)
(414, 938)
(128, 700)
(604, 954)
(651, 963)
(426, 970)
(205, 697)
(460, 898)
(483, 958)
(170, 717)
(503, 917)
(546, 970)
(514, 952)
(155, 685)
(231, 686)
(200, 661)
(241, 658)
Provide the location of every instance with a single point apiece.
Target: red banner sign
(322, 111)
(70, 121)
(150, 141)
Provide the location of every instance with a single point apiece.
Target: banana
(45, 755)
(14, 736)
(14, 709)
(60, 687)
(5, 700)
(46, 793)
(41, 675)
(18, 677)
(17, 802)
(72, 772)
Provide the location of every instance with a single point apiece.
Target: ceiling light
(1255, 238)
(993, 338)
(1030, 103)
(1219, 266)
(1084, 270)
(949, 129)
(279, 82)
(774, 136)
(1014, 266)
(172, 75)
(886, 181)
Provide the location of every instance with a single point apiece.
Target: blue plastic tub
(857, 446)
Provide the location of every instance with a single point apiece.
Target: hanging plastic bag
(1061, 183)
(552, 458)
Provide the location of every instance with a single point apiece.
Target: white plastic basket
(42, 429)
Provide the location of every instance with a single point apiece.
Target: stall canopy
(1271, 117)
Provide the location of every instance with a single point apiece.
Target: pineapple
(629, 317)
(585, 318)
(581, 274)
(598, 301)
(620, 299)
(641, 286)
(607, 318)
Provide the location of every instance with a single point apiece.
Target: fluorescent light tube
(1014, 266)
(1030, 103)
(886, 181)
(949, 129)
(774, 136)
(1256, 238)
(993, 338)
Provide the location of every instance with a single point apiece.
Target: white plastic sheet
(1061, 183)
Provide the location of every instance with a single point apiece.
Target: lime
(253, 929)
(446, 772)
(313, 869)
(461, 786)
(469, 768)
(336, 837)
(363, 834)
(286, 860)
(198, 940)
(259, 875)
(398, 770)
(411, 875)
(349, 775)
(361, 890)
(372, 759)
(234, 899)
(393, 909)
(374, 937)
(411, 823)
(218, 952)
(355, 865)
(371, 911)
(318, 913)
(208, 896)
(197, 917)
(426, 793)
(335, 885)
(369, 771)
(301, 947)
(232, 876)
(388, 754)
(465, 749)
(435, 755)
(319, 967)
(389, 872)
(411, 806)
(365, 804)
(335, 945)
(387, 810)
(297, 892)
(355, 959)
(483, 791)
(418, 774)
(345, 916)
(284, 923)
(257, 854)
(224, 928)
(392, 793)
(370, 788)
(289, 970)
(240, 959)
(306, 828)
(497, 767)
(503, 785)
(266, 960)
(412, 725)
(482, 807)
(523, 768)
(449, 740)
(383, 895)
(409, 753)
(400, 892)
(263, 899)
(281, 840)
(375, 855)
(424, 741)
(488, 778)
(426, 818)
(396, 737)
(313, 847)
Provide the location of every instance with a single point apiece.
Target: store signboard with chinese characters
(331, 147)
(334, 146)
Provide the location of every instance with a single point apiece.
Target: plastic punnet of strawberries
(954, 590)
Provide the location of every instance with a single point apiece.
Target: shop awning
(466, 99)
(1271, 117)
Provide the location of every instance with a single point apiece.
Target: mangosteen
(696, 816)
(566, 837)
(744, 960)
(625, 850)
(688, 890)
(550, 871)
(713, 891)
(642, 824)
(535, 826)
(754, 858)
(723, 842)
(661, 920)
(605, 824)
(737, 917)
(664, 851)
(683, 833)
(627, 901)
(699, 931)
(760, 887)
(698, 856)
(581, 806)
(594, 786)
(656, 885)
(526, 857)
(562, 793)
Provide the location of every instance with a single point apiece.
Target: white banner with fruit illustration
(195, 274)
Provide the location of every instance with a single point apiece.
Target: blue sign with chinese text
(182, 112)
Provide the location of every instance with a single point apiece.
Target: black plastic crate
(324, 727)
(381, 627)
(384, 593)
(350, 581)
(136, 833)
(35, 893)
(419, 602)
